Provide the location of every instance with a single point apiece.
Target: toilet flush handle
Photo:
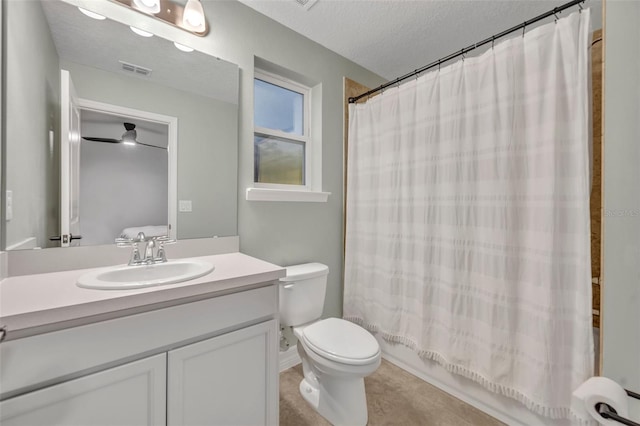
(288, 287)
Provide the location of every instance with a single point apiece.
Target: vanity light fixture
(140, 32)
(190, 17)
(148, 6)
(91, 14)
(193, 16)
(182, 47)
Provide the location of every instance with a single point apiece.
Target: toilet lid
(341, 341)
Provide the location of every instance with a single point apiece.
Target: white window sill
(268, 194)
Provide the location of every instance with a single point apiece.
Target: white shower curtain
(468, 216)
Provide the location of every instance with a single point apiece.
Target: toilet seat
(341, 341)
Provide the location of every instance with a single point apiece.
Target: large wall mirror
(109, 132)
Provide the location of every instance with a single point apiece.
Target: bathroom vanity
(203, 351)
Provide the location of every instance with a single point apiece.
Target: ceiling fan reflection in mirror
(129, 137)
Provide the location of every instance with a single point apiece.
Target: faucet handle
(135, 255)
(161, 254)
(141, 238)
(135, 251)
(124, 242)
(164, 239)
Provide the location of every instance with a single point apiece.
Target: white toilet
(336, 354)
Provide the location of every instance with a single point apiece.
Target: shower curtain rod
(461, 52)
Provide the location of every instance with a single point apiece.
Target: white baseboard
(289, 358)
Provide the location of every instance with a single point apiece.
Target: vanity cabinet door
(131, 394)
(227, 380)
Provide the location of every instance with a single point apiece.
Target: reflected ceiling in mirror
(77, 38)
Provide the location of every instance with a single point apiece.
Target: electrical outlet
(9, 206)
(184, 206)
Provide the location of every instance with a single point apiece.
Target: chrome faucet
(148, 251)
(151, 243)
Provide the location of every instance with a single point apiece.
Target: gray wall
(287, 233)
(33, 104)
(207, 146)
(621, 272)
(120, 186)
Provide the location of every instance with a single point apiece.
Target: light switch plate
(184, 206)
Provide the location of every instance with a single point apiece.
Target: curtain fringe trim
(536, 407)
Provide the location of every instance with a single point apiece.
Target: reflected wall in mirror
(119, 77)
(125, 175)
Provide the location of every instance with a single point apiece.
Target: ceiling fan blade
(109, 140)
(149, 145)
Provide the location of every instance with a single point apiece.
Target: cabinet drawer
(42, 360)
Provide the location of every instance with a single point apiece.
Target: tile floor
(394, 397)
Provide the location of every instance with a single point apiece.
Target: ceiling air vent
(137, 69)
(307, 4)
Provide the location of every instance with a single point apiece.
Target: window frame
(305, 138)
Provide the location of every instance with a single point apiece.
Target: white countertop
(35, 304)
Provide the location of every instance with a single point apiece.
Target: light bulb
(148, 6)
(91, 14)
(141, 32)
(193, 16)
(182, 47)
(194, 19)
(129, 143)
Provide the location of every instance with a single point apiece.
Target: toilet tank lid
(305, 271)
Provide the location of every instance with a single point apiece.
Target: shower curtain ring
(462, 53)
(493, 40)
(580, 6)
(524, 28)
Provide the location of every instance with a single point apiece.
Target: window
(282, 143)
(287, 149)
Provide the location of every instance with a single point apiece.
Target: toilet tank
(302, 293)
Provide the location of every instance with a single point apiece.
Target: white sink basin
(128, 277)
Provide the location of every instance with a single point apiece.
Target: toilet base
(309, 393)
(341, 401)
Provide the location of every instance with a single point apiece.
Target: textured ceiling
(394, 37)
(102, 44)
